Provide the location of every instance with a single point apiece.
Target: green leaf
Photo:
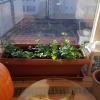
(54, 57)
(28, 54)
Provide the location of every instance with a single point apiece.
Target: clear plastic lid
(55, 89)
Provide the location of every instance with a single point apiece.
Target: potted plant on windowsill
(43, 60)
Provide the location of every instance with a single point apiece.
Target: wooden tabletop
(54, 88)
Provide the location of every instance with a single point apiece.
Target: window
(46, 19)
(96, 29)
(30, 9)
(3, 1)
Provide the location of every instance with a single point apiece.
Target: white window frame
(96, 23)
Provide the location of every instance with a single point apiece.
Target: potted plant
(42, 60)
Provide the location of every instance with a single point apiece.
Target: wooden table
(56, 89)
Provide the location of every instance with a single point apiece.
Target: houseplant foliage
(48, 51)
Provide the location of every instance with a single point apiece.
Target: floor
(21, 85)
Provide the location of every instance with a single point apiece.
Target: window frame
(95, 28)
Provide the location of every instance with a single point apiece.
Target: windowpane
(29, 20)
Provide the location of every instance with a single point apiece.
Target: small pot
(96, 84)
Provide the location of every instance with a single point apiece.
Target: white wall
(18, 9)
(5, 18)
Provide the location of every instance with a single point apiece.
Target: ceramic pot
(96, 84)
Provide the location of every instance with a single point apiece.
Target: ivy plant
(42, 51)
(52, 50)
(69, 52)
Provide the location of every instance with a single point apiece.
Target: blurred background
(24, 21)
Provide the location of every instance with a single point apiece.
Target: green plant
(69, 52)
(42, 51)
(27, 54)
(17, 53)
(13, 51)
(52, 50)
